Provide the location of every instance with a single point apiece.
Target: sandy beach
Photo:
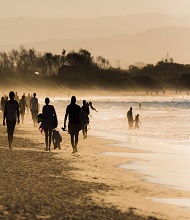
(88, 185)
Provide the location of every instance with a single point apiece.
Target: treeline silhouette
(82, 70)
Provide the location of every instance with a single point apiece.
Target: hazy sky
(90, 8)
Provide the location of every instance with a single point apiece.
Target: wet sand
(88, 185)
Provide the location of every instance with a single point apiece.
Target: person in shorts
(11, 113)
(22, 107)
(74, 126)
(34, 109)
(48, 113)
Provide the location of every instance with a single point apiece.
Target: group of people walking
(25, 103)
(77, 116)
(78, 119)
(13, 108)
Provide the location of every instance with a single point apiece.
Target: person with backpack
(11, 114)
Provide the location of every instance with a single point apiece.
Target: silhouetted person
(130, 118)
(140, 106)
(34, 109)
(85, 118)
(22, 107)
(48, 115)
(11, 113)
(137, 122)
(6, 98)
(28, 97)
(74, 112)
(3, 103)
(16, 97)
(57, 139)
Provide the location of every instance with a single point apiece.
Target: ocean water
(164, 135)
(164, 117)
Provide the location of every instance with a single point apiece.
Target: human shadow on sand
(36, 185)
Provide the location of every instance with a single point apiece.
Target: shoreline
(131, 189)
(118, 188)
(36, 184)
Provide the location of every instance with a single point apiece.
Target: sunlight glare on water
(164, 134)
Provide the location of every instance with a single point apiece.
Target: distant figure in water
(130, 118)
(85, 118)
(137, 122)
(48, 116)
(34, 109)
(11, 113)
(74, 126)
(22, 107)
(140, 106)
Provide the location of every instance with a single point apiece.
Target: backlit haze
(123, 31)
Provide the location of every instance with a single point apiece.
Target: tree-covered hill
(80, 70)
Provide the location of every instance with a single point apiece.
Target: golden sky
(90, 8)
(145, 37)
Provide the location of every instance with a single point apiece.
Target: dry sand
(88, 185)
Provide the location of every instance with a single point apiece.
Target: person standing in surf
(137, 122)
(130, 118)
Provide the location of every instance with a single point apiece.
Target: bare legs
(48, 135)
(10, 138)
(74, 142)
(84, 131)
(35, 117)
(22, 118)
(10, 131)
(35, 123)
